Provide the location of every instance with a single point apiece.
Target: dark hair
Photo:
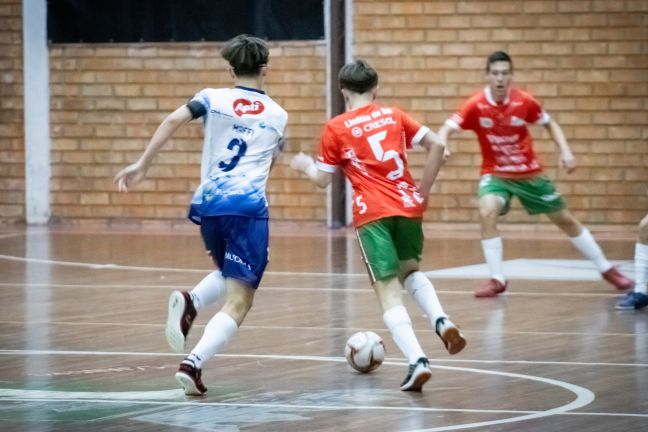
(246, 54)
(498, 56)
(358, 76)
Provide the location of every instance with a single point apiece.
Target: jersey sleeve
(329, 151)
(465, 117)
(199, 104)
(413, 130)
(535, 113)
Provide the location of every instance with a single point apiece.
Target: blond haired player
(368, 143)
(499, 115)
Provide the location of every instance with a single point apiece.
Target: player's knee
(643, 230)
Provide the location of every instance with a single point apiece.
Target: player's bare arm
(135, 173)
(442, 136)
(433, 162)
(567, 159)
(306, 164)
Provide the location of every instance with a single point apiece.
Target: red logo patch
(244, 106)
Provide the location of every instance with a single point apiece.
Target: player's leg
(379, 254)
(184, 305)
(539, 195)
(408, 240)
(583, 240)
(494, 201)
(243, 260)
(218, 332)
(638, 298)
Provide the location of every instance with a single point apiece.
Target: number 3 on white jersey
(384, 156)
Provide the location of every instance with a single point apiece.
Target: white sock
(218, 332)
(421, 288)
(400, 326)
(641, 268)
(493, 251)
(586, 244)
(208, 290)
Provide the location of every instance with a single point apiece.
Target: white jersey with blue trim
(244, 130)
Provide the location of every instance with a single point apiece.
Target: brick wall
(587, 62)
(107, 101)
(12, 184)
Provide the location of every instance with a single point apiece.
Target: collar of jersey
(491, 100)
(250, 89)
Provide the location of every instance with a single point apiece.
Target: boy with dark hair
(499, 116)
(368, 143)
(244, 131)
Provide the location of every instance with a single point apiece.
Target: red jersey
(369, 145)
(506, 145)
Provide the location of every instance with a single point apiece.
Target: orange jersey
(506, 145)
(369, 145)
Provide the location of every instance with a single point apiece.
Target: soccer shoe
(632, 300)
(179, 320)
(617, 279)
(189, 378)
(450, 335)
(490, 288)
(418, 374)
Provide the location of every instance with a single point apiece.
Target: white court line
(97, 266)
(311, 328)
(9, 235)
(583, 396)
(312, 358)
(310, 289)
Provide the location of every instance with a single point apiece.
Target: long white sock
(400, 326)
(493, 251)
(208, 290)
(218, 332)
(586, 244)
(641, 268)
(421, 288)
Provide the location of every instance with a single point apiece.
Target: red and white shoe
(189, 378)
(490, 288)
(179, 320)
(616, 278)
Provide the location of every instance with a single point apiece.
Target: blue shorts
(238, 245)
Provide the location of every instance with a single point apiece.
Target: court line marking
(448, 273)
(270, 356)
(295, 328)
(583, 396)
(311, 289)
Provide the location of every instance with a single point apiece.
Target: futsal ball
(364, 351)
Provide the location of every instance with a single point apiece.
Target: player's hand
(301, 162)
(129, 177)
(568, 162)
(446, 154)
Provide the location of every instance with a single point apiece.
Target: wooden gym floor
(82, 339)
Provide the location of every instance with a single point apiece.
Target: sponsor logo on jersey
(356, 132)
(220, 113)
(496, 139)
(517, 121)
(356, 120)
(486, 122)
(243, 106)
(242, 129)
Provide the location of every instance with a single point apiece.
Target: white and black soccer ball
(364, 351)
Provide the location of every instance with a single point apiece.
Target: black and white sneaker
(449, 333)
(179, 320)
(419, 373)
